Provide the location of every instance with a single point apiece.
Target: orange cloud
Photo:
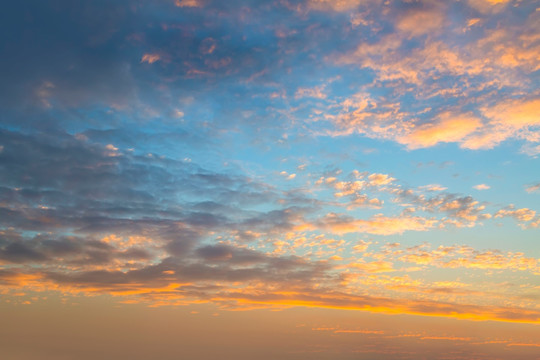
(523, 344)
(364, 201)
(466, 257)
(378, 224)
(447, 127)
(421, 22)
(487, 6)
(392, 306)
(449, 338)
(188, 3)
(516, 113)
(510, 118)
(378, 332)
(523, 214)
(150, 58)
(482, 187)
(433, 187)
(506, 56)
(346, 188)
(371, 267)
(380, 179)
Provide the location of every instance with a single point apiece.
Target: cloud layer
(262, 154)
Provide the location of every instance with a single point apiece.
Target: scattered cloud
(532, 188)
(523, 215)
(378, 224)
(150, 58)
(139, 155)
(482, 187)
(447, 128)
(188, 3)
(337, 5)
(316, 92)
(418, 21)
(433, 187)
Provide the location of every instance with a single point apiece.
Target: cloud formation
(262, 154)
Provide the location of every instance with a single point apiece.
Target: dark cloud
(233, 255)
(60, 181)
(242, 266)
(47, 249)
(19, 252)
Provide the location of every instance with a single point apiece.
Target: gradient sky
(310, 179)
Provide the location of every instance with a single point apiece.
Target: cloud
(417, 22)
(463, 211)
(188, 3)
(447, 127)
(393, 306)
(372, 267)
(507, 119)
(335, 5)
(467, 257)
(346, 188)
(531, 150)
(433, 187)
(521, 215)
(364, 201)
(532, 188)
(150, 58)
(102, 190)
(316, 92)
(482, 187)
(66, 184)
(223, 252)
(75, 252)
(487, 6)
(379, 179)
(166, 284)
(378, 224)
(450, 209)
(480, 121)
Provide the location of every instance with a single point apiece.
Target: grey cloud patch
(464, 209)
(246, 266)
(233, 255)
(45, 249)
(19, 252)
(182, 241)
(89, 205)
(57, 181)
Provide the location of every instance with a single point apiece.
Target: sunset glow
(311, 179)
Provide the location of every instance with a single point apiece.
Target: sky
(309, 179)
